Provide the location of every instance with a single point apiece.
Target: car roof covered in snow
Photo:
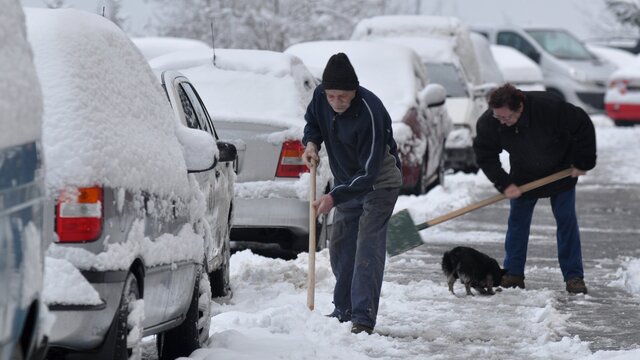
(388, 70)
(154, 46)
(515, 66)
(256, 86)
(378, 27)
(21, 100)
(107, 120)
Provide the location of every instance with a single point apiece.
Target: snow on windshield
(561, 44)
(21, 102)
(107, 120)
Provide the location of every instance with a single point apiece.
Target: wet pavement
(609, 317)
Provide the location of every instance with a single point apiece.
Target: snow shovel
(311, 275)
(402, 234)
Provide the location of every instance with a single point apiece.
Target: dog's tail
(448, 262)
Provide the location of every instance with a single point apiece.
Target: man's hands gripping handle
(311, 158)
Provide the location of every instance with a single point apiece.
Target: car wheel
(622, 123)
(194, 330)
(129, 321)
(219, 278)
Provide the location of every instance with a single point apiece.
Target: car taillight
(621, 85)
(411, 118)
(79, 215)
(291, 163)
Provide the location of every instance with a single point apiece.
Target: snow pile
(628, 276)
(106, 120)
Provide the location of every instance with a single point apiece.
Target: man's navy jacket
(355, 141)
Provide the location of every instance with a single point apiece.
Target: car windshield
(447, 75)
(561, 44)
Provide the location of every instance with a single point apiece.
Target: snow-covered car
(570, 70)
(258, 100)
(622, 99)
(447, 51)
(155, 46)
(419, 117)
(130, 255)
(518, 69)
(26, 219)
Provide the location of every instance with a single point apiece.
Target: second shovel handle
(524, 188)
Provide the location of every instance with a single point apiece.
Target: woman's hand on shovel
(324, 204)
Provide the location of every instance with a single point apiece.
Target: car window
(449, 77)
(514, 40)
(189, 112)
(199, 108)
(561, 44)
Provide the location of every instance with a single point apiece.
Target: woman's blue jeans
(563, 206)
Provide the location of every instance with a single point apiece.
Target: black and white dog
(474, 269)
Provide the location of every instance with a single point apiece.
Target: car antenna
(213, 45)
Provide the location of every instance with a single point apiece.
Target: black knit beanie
(339, 74)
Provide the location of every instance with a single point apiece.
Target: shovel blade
(402, 234)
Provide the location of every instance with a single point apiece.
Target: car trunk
(258, 155)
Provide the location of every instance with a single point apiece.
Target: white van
(570, 70)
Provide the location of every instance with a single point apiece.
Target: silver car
(138, 238)
(258, 99)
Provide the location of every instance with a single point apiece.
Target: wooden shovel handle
(311, 277)
(524, 188)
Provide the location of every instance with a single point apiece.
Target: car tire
(193, 333)
(220, 278)
(128, 320)
(622, 123)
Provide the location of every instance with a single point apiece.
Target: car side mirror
(198, 148)
(226, 151)
(433, 95)
(535, 56)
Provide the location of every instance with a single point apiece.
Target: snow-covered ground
(267, 317)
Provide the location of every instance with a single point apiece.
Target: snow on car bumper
(80, 327)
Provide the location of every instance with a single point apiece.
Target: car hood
(595, 70)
